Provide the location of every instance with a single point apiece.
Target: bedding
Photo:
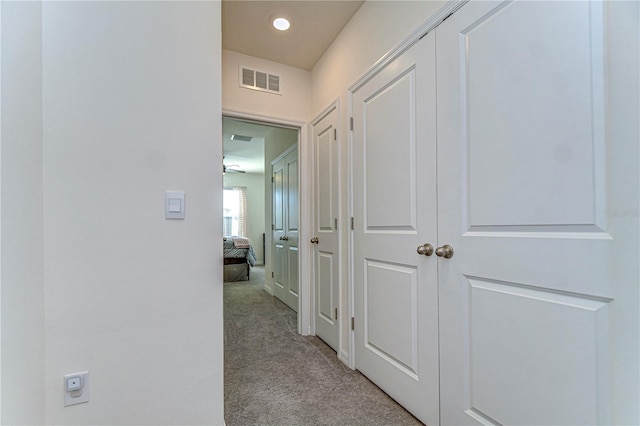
(239, 248)
(237, 252)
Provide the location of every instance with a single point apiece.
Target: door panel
(546, 134)
(291, 161)
(504, 333)
(292, 193)
(279, 211)
(393, 103)
(394, 192)
(292, 271)
(526, 301)
(391, 329)
(325, 293)
(326, 255)
(285, 234)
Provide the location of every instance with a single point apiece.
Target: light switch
(174, 205)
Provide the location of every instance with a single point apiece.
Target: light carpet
(274, 376)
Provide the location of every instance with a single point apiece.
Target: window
(234, 216)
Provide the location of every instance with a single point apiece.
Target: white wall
(255, 200)
(22, 356)
(374, 30)
(276, 142)
(295, 88)
(131, 108)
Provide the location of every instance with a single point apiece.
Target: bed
(239, 257)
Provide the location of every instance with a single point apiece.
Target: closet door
(325, 208)
(394, 191)
(534, 300)
(285, 227)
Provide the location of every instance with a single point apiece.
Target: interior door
(292, 228)
(394, 190)
(285, 227)
(280, 288)
(325, 210)
(533, 300)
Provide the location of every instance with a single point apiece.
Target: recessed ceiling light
(281, 24)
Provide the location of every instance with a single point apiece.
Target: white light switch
(174, 205)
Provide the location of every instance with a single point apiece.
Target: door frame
(304, 213)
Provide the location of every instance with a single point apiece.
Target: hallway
(274, 376)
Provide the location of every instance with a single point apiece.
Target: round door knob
(426, 249)
(285, 238)
(314, 240)
(445, 251)
(280, 238)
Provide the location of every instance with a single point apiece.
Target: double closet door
(285, 227)
(491, 284)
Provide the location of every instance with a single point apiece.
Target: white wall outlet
(76, 388)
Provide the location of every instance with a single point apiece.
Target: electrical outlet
(76, 388)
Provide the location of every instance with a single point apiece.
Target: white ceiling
(246, 156)
(247, 29)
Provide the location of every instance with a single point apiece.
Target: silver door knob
(425, 249)
(314, 240)
(285, 238)
(445, 251)
(280, 238)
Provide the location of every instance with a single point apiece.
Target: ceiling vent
(259, 80)
(241, 138)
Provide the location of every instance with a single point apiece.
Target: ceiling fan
(230, 168)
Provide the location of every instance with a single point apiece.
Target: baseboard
(268, 289)
(344, 357)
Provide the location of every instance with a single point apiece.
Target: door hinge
(271, 179)
(272, 274)
(336, 314)
(273, 226)
(353, 323)
(351, 123)
(335, 134)
(352, 227)
(335, 223)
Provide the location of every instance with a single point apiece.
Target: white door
(285, 227)
(539, 303)
(394, 189)
(325, 235)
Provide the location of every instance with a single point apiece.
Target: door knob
(425, 249)
(445, 251)
(314, 240)
(285, 238)
(280, 238)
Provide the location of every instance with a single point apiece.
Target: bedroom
(249, 150)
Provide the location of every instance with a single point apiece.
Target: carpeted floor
(274, 376)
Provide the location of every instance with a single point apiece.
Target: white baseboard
(344, 357)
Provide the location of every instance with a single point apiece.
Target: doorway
(250, 148)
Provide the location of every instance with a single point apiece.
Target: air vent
(259, 80)
(241, 138)
(274, 83)
(247, 77)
